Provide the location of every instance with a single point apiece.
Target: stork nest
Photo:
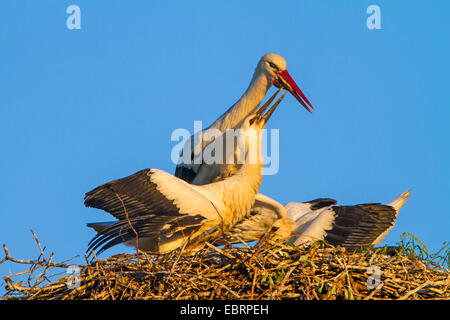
(268, 270)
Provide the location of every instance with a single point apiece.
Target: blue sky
(82, 107)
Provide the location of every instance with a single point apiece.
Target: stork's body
(352, 227)
(271, 70)
(159, 212)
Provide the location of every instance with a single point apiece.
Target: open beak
(272, 109)
(263, 109)
(260, 112)
(285, 80)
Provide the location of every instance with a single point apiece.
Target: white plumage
(159, 212)
(271, 70)
(352, 227)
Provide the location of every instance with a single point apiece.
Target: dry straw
(268, 270)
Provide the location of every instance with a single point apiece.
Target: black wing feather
(139, 194)
(321, 203)
(156, 228)
(185, 173)
(356, 227)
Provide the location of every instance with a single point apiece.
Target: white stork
(352, 227)
(271, 70)
(158, 212)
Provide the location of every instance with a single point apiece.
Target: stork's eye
(272, 65)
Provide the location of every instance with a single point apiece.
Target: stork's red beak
(285, 80)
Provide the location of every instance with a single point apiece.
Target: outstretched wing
(155, 233)
(137, 194)
(359, 226)
(352, 227)
(154, 206)
(149, 191)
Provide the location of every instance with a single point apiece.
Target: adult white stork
(158, 212)
(271, 70)
(352, 227)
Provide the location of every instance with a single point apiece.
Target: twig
(37, 262)
(39, 244)
(255, 274)
(280, 287)
(129, 221)
(45, 270)
(209, 274)
(241, 240)
(219, 250)
(178, 258)
(213, 281)
(409, 293)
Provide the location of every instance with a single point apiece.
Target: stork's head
(282, 228)
(274, 67)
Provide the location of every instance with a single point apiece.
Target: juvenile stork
(352, 227)
(158, 212)
(271, 70)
